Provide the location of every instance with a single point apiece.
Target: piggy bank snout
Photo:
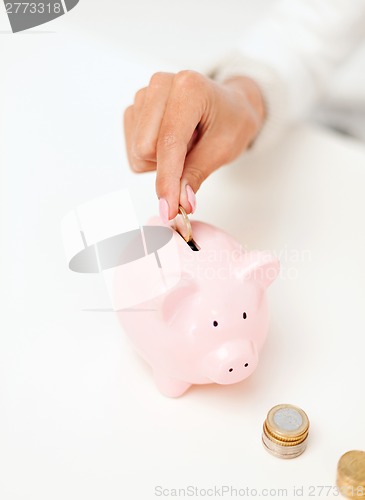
(231, 362)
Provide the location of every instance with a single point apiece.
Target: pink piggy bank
(211, 326)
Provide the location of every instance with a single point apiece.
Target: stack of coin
(351, 474)
(285, 431)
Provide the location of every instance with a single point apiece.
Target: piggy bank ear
(177, 298)
(261, 267)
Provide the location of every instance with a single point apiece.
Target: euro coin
(285, 431)
(182, 225)
(351, 474)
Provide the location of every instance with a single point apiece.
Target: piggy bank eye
(215, 323)
(244, 315)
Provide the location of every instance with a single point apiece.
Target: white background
(80, 417)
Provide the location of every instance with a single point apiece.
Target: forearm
(292, 54)
(248, 90)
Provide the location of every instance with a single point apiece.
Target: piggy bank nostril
(230, 370)
(246, 365)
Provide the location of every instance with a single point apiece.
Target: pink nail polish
(191, 198)
(164, 210)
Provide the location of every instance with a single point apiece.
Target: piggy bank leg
(169, 386)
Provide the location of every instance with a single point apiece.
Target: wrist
(251, 92)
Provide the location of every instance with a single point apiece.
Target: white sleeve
(291, 54)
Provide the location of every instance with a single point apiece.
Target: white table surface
(80, 417)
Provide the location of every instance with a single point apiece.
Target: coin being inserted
(285, 431)
(182, 225)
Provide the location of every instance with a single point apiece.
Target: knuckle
(187, 78)
(139, 96)
(128, 115)
(139, 166)
(128, 111)
(144, 150)
(158, 79)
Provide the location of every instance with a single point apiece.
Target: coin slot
(192, 244)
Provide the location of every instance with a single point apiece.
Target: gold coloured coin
(351, 474)
(182, 225)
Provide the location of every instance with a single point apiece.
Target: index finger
(182, 115)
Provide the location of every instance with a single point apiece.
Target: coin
(285, 431)
(182, 225)
(282, 451)
(351, 474)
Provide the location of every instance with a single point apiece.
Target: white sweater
(295, 54)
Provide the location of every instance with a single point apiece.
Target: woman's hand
(185, 126)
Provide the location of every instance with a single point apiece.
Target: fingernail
(164, 210)
(191, 198)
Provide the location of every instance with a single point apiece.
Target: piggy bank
(210, 326)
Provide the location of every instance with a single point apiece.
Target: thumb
(199, 164)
